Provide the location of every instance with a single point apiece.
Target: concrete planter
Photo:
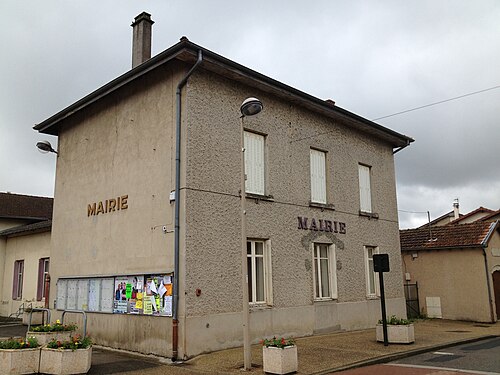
(65, 361)
(45, 337)
(36, 318)
(397, 334)
(280, 361)
(19, 361)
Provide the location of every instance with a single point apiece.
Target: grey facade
(120, 140)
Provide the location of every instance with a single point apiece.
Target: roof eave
(187, 51)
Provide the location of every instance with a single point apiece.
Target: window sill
(369, 215)
(323, 206)
(257, 307)
(258, 197)
(372, 297)
(316, 300)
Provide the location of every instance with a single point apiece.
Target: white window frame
(19, 275)
(365, 190)
(371, 276)
(46, 267)
(332, 271)
(317, 163)
(255, 163)
(267, 274)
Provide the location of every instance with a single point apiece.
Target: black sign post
(381, 265)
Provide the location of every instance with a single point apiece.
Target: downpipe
(175, 301)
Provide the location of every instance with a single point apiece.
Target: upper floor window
(365, 193)
(254, 163)
(325, 277)
(259, 272)
(318, 176)
(43, 270)
(17, 284)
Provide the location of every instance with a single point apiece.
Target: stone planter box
(280, 361)
(36, 318)
(65, 361)
(19, 361)
(396, 334)
(45, 337)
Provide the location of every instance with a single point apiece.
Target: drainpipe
(175, 301)
(484, 245)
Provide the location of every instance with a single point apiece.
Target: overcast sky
(374, 58)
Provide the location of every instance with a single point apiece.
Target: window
(17, 284)
(372, 287)
(254, 163)
(318, 176)
(365, 194)
(259, 273)
(43, 270)
(324, 265)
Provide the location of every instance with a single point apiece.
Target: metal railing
(77, 312)
(38, 309)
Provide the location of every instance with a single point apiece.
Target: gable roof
(18, 206)
(491, 216)
(438, 219)
(466, 216)
(474, 234)
(188, 52)
(22, 230)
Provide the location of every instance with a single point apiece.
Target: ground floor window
(372, 288)
(17, 285)
(325, 278)
(259, 272)
(43, 270)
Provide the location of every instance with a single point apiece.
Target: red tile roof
(25, 207)
(491, 217)
(477, 210)
(444, 237)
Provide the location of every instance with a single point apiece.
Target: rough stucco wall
(29, 248)
(457, 277)
(493, 255)
(213, 255)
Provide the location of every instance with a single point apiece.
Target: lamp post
(249, 107)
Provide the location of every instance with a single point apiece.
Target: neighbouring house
(456, 266)
(161, 272)
(25, 223)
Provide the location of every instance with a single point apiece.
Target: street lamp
(249, 107)
(45, 146)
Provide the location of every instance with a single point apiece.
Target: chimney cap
(144, 16)
(330, 101)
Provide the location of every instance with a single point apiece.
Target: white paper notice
(161, 290)
(167, 307)
(153, 287)
(167, 280)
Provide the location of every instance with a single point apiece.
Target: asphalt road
(481, 357)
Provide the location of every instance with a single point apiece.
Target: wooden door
(496, 288)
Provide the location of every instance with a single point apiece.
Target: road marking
(443, 353)
(444, 369)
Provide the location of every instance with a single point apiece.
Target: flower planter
(396, 334)
(19, 361)
(45, 337)
(65, 361)
(280, 361)
(36, 318)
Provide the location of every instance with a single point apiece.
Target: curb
(401, 355)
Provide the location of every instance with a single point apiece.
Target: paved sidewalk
(334, 352)
(320, 354)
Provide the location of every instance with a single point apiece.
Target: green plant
(30, 342)
(393, 320)
(55, 327)
(76, 342)
(278, 342)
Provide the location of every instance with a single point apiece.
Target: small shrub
(55, 327)
(393, 320)
(278, 342)
(76, 342)
(31, 342)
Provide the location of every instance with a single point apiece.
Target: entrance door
(496, 288)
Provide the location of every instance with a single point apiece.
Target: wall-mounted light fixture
(251, 106)
(45, 146)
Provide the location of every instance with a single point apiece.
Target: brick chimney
(141, 40)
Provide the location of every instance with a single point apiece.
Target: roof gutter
(400, 148)
(175, 301)
(484, 246)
